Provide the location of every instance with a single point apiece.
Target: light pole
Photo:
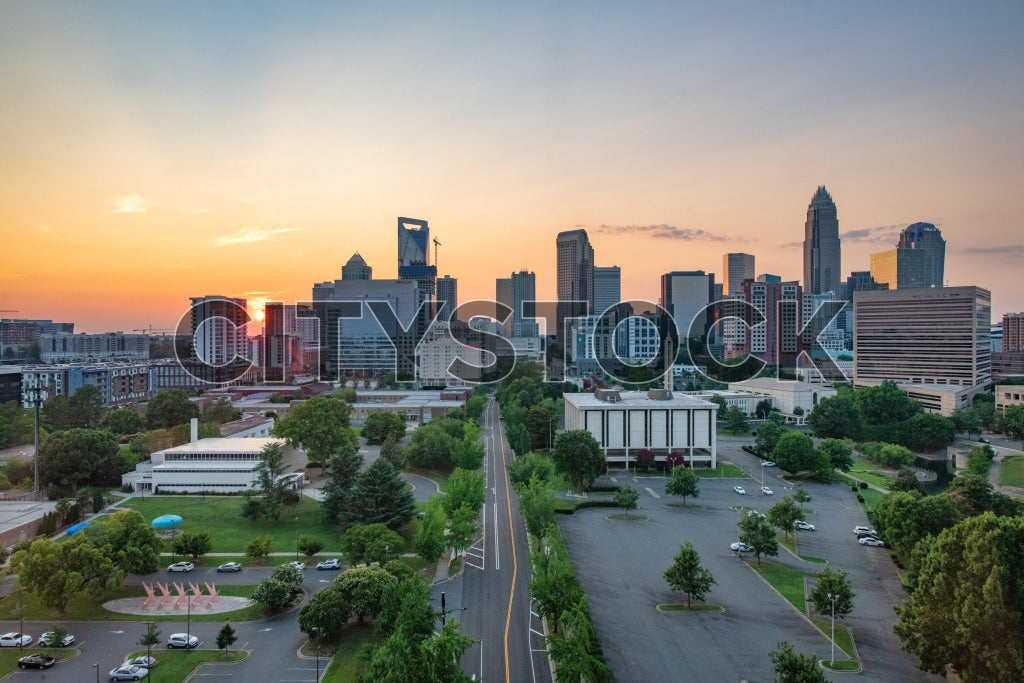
(96, 665)
(36, 396)
(832, 597)
(188, 620)
(296, 539)
(21, 616)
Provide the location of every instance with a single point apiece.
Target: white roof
(638, 399)
(224, 445)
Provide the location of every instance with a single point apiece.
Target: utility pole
(445, 611)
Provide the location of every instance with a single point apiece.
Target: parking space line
(651, 491)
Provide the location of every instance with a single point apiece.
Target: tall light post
(296, 539)
(188, 620)
(832, 597)
(36, 396)
(21, 616)
(96, 665)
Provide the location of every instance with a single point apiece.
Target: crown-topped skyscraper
(822, 268)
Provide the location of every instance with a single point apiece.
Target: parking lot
(621, 566)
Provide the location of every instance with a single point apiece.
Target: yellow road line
(512, 539)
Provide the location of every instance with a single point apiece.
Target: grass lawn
(791, 546)
(789, 582)
(842, 664)
(724, 470)
(870, 472)
(178, 665)
(844, 641)
(1011, 471)
(221, 517)
(345, 656)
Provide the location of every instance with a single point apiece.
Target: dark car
(36, 661)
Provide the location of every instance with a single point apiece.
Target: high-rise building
(503, 295)
(413, 263)
(1013, 332)
(822, 263)
(686, 295)
(776, 341)
(768, 277)
(917, 261)
(218, 329)
(925, 237)
(736, 268)
(524, 289)
(447, 296)
(607, 288)
(356, 269)
(575, 277)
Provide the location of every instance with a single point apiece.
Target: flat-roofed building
(625, 422)
(786, 395)
(1009, 395)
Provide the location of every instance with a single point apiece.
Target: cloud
(130, 203)
(886, 234)
(664, 231)
(250, 235)
(1013, 251)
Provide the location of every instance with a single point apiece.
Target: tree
(578, 456)
(764, 407)
(380, 495)
(226, 637)
(80, 457)
(272, 594)
(767, 436)
(259, 548)
(288, 574)
(683, 482)
(270, 484)
(222, 411)
(54, 637)
(966, 607)
(537, 505)
(972, 494)
(553, 584)
(626, 498)
(430, 537)
(130, 542)
(475, 407)
(541, 422)
(465, 487)
(801, 496)
(440, 654)
(574, 649)
(430, 448)
(461, 529)
(756, 532)
(783, 514)
(320, 426)
(839, 453)
(380, 425)
(150, 638)
(518, 437)
(168, 408)
(966, 421)
(1014, 420)
(193, 544)
(363, 588)
(325, 612)
(795, 452)
(56, 572)
(906, 480)
(905, 518)
(793, 667)
(687, 575)
(309, 545)
(736, 420)
(345, 466)
(371, 543)
(885, 404)
(55, 413)
(836, 417)
(392, 451)
(894, 455)
(832, 584)
(929, 431)
(122, 421)
(524, 468)
(469, 452)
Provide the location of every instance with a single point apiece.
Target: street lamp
(296, 539)
(96, 665)
(188, 619)
(832, 597)
(36, 396)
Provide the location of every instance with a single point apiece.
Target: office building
(79, 348)
(607, 288)
(776, 341)
(822, 263)
(686, 295)
(413, 260)
(736, 268)
(503, 295)
(447, 296)
(769, 278)
(524, 290)
(1013, 332)
(925, 238)
(356, 269)
(218, 330)
(575, 277)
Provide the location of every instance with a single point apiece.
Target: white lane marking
(651, 491)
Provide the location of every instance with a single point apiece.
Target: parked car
(329, 564)
(767, 491)
(740, 547)
(802, 525)
(145, 661)
(36, 661)
(297, 564)
(872, 541)
(49, 639)
(982, 439)
(858, 530)
(128, 673)
(230, 567)
(767, 463)
(15, 640)
(755, 513)
(181, 567)
(182, 640)
(740, 490)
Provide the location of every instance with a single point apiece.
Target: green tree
(966, 421)
(259, 548)
(905, 518)
(380, 495)
(783, 514)
(537, 505)
(838, 452)
(430, 448)
(149, 638)
(319, 426)
(966, 607)
(795, 452)
(906, 480)
(626, 498)
(430, 536)
(80, 457)
(55, 413)
(440, 654)
(379, 425)
(392, 451)
(524, 468)
(894, 455)
(518, 437)
(122, 421)
(574, 649)
(461, 529)
(1014, 420)
(541, 423)
(972, 494)
(272, 594)
(793, 667)
(801, 496)
(553, 584)
(265, 501)
(363, 588)
(221, 411)
(287, 574)
(226, 637)
(836, 417)
(344, 468)
(475, 407)
(56, 572)
(168, 408)
(767, 436)
(687, 575)
(764, 407)
(130, 542)
(309, 545)
(193, 544)
(578, 456)
(465, 487)
(736, 420)
(832, 585)
(405, 610)
(371, 543)
(756, 532)
(929, 431)
(683, 482)
(468, 453)
(885, 404)
(325, 612)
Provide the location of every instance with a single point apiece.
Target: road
(491, 598)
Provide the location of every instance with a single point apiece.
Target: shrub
(860, 498)
(862, 485)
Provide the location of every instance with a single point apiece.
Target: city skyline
(282, 140)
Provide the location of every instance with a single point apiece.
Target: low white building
(624, 422)
(786, 395)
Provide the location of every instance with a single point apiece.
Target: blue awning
(166, 521)
(76, 528)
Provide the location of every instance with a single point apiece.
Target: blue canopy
(76, 528)
(166, 521)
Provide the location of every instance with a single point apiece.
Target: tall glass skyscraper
(575, 275)
(925, 237)
(822, 268)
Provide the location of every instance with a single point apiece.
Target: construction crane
(149, 330)
(436, 245)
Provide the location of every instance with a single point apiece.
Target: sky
(154, 152)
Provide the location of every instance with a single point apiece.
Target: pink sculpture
(212, 590)
(150, 597)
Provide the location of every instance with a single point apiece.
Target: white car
(145, 661)
(767, 463)
(128, 673)
(740, 547)
(740, 490)
(181, 567)
(15, 640)
(767, 491)
(872, 541)
(182, 640)
(297, 565)
(864, 531)
(329, 564)
(48, 639)
(802, 525)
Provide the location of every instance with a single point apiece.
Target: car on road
(145, 661)
(329, 564)
(982, 439)
(297, 564)
(230, 567)
(36, 661)
(740, 490)
(128, 673)
(872, 541)
(49, 639)
(767, 463)
(182, 640)
(181, 567)
(868, 531)
(15, 640)
(802, 525)
(741, 547)
(767, 491)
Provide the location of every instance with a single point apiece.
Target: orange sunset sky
(157, 151)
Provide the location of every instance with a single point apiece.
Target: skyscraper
(607, 288)
(356, 269)
(575, 276)
(685, 295)
(927, 238)
(1013, 332)
(413, 250)
(736, 268)
(524, 288)
(447, 296)
(822, 268)
(918, 260)
(218, 329)
(503, 295)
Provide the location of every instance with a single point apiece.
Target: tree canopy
(687, 575)
(168, 408)
(578, 456)
(380, 495)
(320, 426)
(683, 482)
